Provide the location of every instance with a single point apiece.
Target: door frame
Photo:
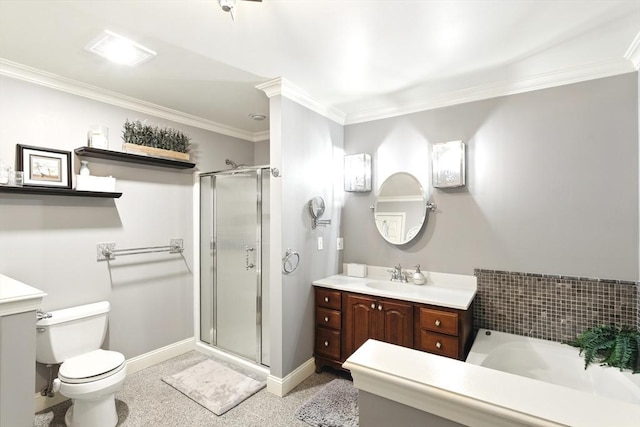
(258, 171)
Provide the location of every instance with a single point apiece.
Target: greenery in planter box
(611, 346)
(152, 136)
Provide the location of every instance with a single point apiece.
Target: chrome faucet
(397, 274)
(42, 315)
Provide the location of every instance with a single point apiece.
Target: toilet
(88, 375)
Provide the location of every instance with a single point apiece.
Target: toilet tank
(71, 332)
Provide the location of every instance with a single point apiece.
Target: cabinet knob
(326, 319)
(437, 322)
(438, 344)
(326, 299)
(379, 308)
(373, 305)
(326, 343)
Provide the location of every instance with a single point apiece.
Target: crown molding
(272, 87)
(54, 81)
(633, 52)
(262, 136)
(493, 90)
(280, 86)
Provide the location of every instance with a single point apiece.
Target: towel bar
(107, 251)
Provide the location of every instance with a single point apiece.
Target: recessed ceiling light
(119, 49)
(257, 116)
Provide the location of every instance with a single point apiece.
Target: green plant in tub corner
(611, 346)
(170, 139)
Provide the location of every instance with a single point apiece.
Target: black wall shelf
(132, 158)
(51, 191)
(99, 154)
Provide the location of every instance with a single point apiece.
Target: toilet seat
(91, 366)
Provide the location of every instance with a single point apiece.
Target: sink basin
(388, 286)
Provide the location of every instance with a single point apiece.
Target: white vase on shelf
(84, 168)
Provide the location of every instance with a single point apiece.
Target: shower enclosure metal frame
(211, 335)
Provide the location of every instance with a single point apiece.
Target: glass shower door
(237, 263)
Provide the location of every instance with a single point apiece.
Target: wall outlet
(340, 244)
(320, 245)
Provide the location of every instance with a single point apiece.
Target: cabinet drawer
(328, 318)
(328, 299)
(328, 343)
(443, 345)
(442, 322)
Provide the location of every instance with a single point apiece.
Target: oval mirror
(316, 207)
(400, 208)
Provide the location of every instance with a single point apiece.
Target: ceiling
(360, 59)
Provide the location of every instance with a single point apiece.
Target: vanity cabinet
(346, 320)
(377, 318)
(443, 331)
(18, 305)
(328, 339)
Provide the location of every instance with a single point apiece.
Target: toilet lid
(88, 366)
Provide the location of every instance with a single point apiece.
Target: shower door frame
(257, 172)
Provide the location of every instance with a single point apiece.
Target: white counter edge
(381, 369)
(465, 292)
(451, 280)
(17, 297)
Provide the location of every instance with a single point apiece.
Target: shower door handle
(248, 249)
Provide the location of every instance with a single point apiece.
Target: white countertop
(477, 396)
(441, 289)
(17, 297)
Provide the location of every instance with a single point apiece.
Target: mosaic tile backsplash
(550, 307)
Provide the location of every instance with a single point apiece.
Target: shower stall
(234, 251)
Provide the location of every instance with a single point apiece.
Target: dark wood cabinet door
(398, 323)
(360, 322)
(328, 343)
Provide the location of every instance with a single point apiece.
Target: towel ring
(290, 261)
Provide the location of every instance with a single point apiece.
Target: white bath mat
(214, 386)
(335, 405)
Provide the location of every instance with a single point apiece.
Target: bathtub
(552, 362)
(419, 388)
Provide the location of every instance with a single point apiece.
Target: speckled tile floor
(146, 401)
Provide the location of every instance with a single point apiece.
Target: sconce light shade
(357, 172)
(448, 164)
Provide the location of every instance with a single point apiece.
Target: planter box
(154, 152)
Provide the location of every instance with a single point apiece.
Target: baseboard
(43, 402)
(281, 386)
(134, 364)
(232, 358)
(154, 357)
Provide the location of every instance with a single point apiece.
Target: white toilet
(88, 375)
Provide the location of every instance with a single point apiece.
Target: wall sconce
(448, 164)
(357, 172)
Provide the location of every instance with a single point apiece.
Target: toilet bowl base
(92, 413)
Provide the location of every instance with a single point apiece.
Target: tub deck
(474, 395)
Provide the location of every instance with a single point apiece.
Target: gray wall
(261, 153)
(49, 242)
(552, 183)
(310, 156)
(213, 149)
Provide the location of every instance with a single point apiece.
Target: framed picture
(44, 167)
